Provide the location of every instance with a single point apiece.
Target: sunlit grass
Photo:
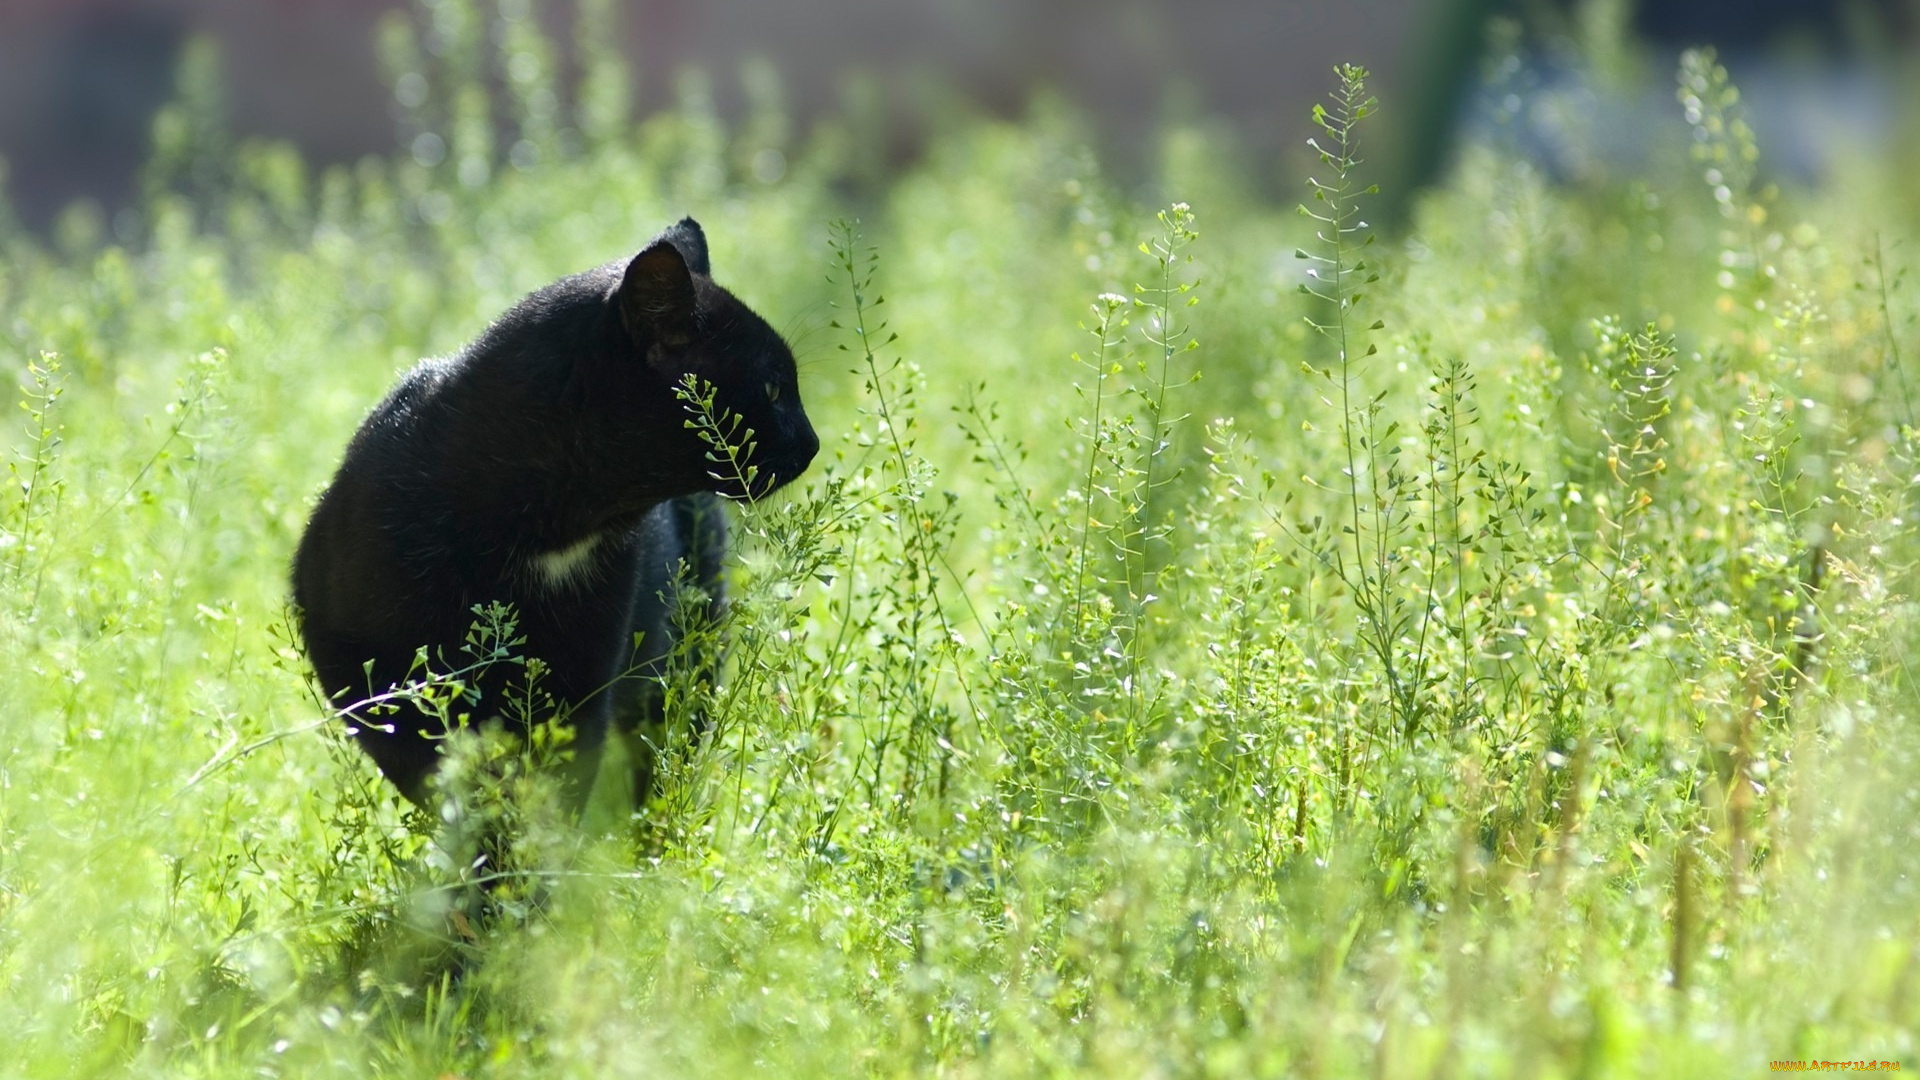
(1524, 693)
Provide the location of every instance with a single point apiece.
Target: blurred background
(81, 80)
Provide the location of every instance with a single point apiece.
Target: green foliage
(1497, 665)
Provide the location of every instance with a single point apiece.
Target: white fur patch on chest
(563, 568)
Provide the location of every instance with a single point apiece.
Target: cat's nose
(805, 448)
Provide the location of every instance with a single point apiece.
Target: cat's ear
(686, 235)
(656, 295)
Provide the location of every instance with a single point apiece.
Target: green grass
(1139, 684)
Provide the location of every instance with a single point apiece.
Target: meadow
(1218, 637)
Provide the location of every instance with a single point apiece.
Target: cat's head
(682, 324)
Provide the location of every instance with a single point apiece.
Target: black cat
(549, 465)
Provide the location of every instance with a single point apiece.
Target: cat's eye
(773, 392)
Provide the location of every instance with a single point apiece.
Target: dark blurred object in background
(77, 96)
(80, 80)
(1838, 27)
(1814, 71)
(306, 70)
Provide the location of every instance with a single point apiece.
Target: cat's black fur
(549, 465)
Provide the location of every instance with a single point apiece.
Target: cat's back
(545, 329)
(412, 398)
(383, 453)
(429, 452)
